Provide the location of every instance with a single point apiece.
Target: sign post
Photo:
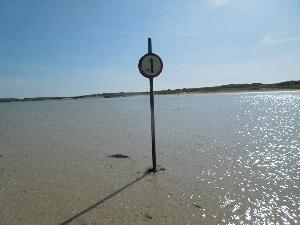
(150, 66)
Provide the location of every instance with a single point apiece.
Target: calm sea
(229, 158)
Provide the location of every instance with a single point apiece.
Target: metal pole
(152, 113)
(149, 45)
(152, 125)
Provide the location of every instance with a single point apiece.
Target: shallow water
(229, 159)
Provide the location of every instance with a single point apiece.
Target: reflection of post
(152, 110)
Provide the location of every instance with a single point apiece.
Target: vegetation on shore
(287, 85)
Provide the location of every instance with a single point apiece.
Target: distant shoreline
(230, 88)
(237, 92)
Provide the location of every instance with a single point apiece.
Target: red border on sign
(145, 74)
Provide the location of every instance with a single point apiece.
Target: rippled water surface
(228, 159)
(261, 162)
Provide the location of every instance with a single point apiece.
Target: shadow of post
(104, 199)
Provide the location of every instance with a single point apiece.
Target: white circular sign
(150, 65)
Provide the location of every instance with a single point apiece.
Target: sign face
(150, 65)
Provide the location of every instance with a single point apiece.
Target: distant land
(287, 85)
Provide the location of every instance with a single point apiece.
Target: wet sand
(220, 168)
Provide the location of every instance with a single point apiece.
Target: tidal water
(228, 159)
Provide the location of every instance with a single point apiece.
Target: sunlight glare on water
(263, 163)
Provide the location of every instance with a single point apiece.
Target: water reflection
(262, 162)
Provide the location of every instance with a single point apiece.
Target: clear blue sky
(76, 47)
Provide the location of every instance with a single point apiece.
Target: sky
(76, 47)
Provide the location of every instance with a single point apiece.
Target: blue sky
(74, 47)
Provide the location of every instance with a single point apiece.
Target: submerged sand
(55, 169)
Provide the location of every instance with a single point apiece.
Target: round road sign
(150, 65)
